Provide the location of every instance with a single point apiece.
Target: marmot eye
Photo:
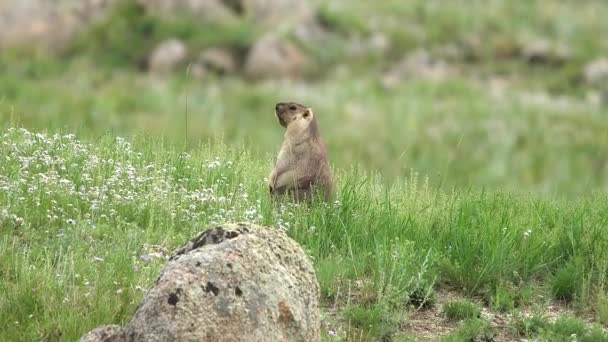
(292, 107)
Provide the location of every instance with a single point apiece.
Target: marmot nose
(279, 106)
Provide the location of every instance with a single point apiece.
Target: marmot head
(289, 112)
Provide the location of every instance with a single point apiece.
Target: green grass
(506, 297)
(563, 284)
(456, 132)
(475, 330)
(503, 299)
(529, 326)
(85, 227)
(459, 310)
(369, 322)
(566, 326)
(490, 183)
(459, 132)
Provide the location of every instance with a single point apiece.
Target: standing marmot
(302, 165)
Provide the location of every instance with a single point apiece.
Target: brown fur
(301, 167)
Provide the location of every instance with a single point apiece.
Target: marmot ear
(307, 113)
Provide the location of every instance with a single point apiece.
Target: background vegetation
(469, 197)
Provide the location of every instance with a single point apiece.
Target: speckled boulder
(105, 333)
(236, 282)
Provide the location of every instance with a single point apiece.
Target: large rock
(231, 283)
(273, 57)
(218, 60)
(212, 10)
(596, 72)
(47, 24)
(167, 56)
(544, 52)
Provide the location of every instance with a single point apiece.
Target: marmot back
(302, 166)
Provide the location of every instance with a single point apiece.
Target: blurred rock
(543, 52)
(198, 71)
(536, 52)
(49, 25)
(497, 86)
(471, 48)
(506, 47)
(419, 64)
(218, 60)
(167, 56)
(210, 10)
(235, 282)
(273, 57)
(277, 14)
(312, 33)
(268, 13)
(378, 42)
(103, 333)
(596, 72)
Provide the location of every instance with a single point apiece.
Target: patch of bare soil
(431, 325)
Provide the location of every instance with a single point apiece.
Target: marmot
(301, 167)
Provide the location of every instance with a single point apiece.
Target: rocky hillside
(73, 24)
(290, 38)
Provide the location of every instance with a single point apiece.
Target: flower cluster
(69, 182)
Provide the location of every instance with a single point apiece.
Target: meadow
(86, 227)
(472, 207)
